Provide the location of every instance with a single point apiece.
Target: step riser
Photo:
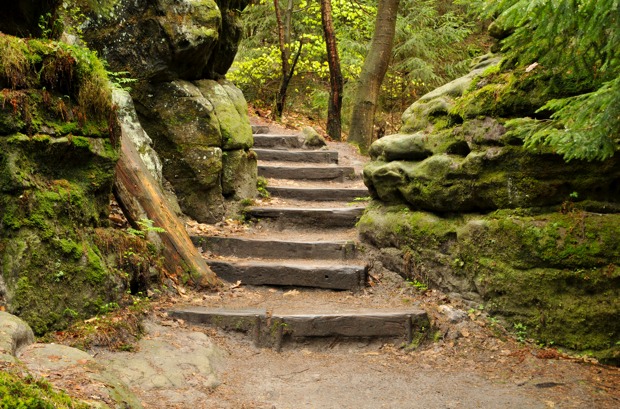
(294, 156)
(271, 330)
(319, 218)
(245, 248)
(335, 278)
(260, 129)
(277, 141)
(337, 174)
(317, 194)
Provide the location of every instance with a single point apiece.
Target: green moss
(556, 273)
(17, 391)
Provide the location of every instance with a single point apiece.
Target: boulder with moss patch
(476, 213)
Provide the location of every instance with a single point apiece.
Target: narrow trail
(307, 319)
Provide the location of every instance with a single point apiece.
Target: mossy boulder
(57, 166)
(556, 273)
(193, 125)
(518, 229)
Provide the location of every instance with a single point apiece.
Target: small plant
(106, 308)
(420, 286)
(145, 227)
(261, 186)
(120, 79)
(247, 202)
(520, 331)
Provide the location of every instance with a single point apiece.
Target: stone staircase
(303, 239)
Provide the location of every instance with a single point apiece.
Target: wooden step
(271, 330)
(274, 141)
(283, 249)
(319, 156)
(318, 194)
(260, 129)
(315, 217)
(333, 173)
(303, 273)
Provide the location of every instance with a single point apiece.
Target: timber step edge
(315, 217)
(334, 277)
(269, 330)
(260, 129)
(334, 173)
(273, 141)
(246, 248)
(318, 194)
(318, 156)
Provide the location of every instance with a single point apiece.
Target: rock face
(58, 140)
(180, 51)
(465, 207)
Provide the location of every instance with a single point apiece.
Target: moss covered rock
(474, 212)
(555, 273)
(57, 165)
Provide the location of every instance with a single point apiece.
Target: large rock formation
(179, 51)
(465, 207)
(58, 149)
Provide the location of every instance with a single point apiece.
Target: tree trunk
(139, 194)
(373, 72)
(335, 75)
(284, 41)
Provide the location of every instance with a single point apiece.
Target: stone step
(314, 217)
(319, 156)
(260, 129)
(274, 141)
(272, 329)
(335, 173)
(318, 194)
(281, 249)
(299, 273)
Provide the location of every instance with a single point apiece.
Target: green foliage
(434, 42)
(145, 227)
(577, 43)
(18, 392)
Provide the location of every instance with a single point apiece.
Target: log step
(315, 217)
(318, 194)
(334, 173)
(260, 129)
(246, 248)
(319, 156)
(270, 330)
(301, 274)
(270, 141)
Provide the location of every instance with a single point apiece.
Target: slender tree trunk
(335, 75)
(373, 72)
(284, 41)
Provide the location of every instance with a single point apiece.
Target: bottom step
(270, 330)
(335, 277)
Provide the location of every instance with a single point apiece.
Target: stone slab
(277, 141)
(335, 277)
(260, 129)
(318, 156)
(316, 217)
(318, 194)
(335, 173)
(269, 330)
(242, 247)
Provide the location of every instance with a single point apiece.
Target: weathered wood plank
(242, 247)
(319, 156)
(317, 217)
(370, 324)
(273, 141)
(140, 195)
(317, 194)
(335, 173)
(336, 277)
(237, 320)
